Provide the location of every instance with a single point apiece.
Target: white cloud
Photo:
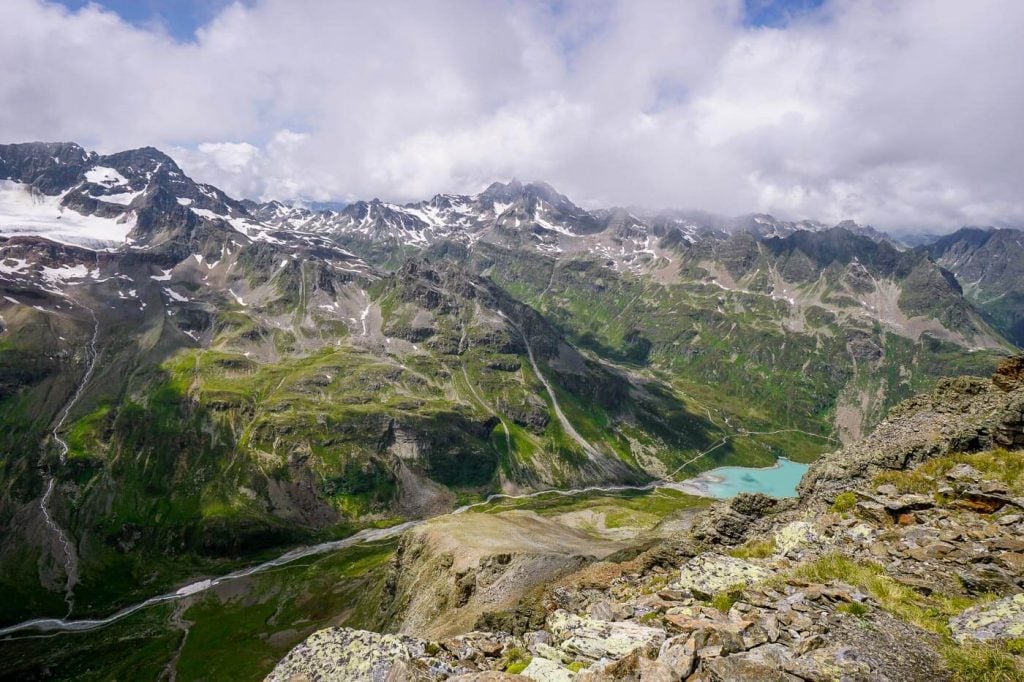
(232, 157)
(902, 114)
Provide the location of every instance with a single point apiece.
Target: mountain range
(189, 381)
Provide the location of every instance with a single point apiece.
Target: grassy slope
(727, 349)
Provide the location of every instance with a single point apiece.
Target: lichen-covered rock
(346, 654)
(633, 668)
(709, 574)
(999, 620)
(763, 664)
(543, 670)
(595, 639)
(796, 535)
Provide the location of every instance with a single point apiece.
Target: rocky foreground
(903, 559)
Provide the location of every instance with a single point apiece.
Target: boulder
(1009, 375)
(543, 670)
(346, 654)
(727, 523)
(679, 654)
(633, 668)
(708, 574)
(763, 664)
(999, 620)
(595, 639)
(908, 503)
(982, 502)
(964, 472)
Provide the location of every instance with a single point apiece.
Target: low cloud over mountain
(903, 115)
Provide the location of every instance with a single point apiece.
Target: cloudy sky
(906, 114)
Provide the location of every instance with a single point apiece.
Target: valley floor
(257, 615)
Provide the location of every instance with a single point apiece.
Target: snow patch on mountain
(24, 211)
(122, 198)
(102, 175)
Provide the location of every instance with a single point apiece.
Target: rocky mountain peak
(514, 191)
(144, 161)
(43, 153)
(501, 191)
(47, 167)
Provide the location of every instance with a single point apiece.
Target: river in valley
(779, 480)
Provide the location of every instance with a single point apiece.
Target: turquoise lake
(724, 482)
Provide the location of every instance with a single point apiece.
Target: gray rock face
(727, 523)
(709, 574)
(345, 654)
(596, 639)
(993, 261)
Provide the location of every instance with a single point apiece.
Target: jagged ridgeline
(189, 382)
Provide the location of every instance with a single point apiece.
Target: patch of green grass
(515, 660)
(657, 503)
(85, 434)
(844, 502)
(931, 612)
(1001, 465)
(910, 481)
(241, 635)
(628, 518)
(754, 549)
(982, 663)
(724, 600)
(577, 666)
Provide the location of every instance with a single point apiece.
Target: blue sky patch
(180, 18)
(776, 13)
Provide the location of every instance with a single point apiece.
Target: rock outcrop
(962, 414)
(1001, 620)
(448, 573)
(344, 654)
